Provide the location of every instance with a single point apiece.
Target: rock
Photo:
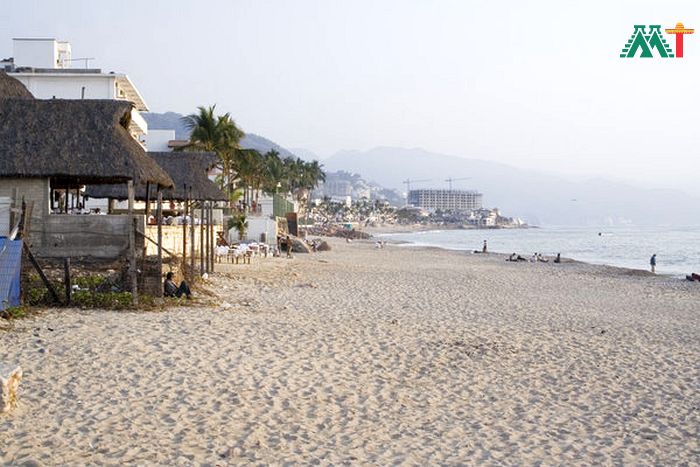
(10, 376)
(299, 246)
(323, 246)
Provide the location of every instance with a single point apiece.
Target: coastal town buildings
(445, 200)
(46, 67)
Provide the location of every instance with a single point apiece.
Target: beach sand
(366, 356)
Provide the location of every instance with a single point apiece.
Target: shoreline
(406, 243)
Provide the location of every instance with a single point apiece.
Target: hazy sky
(536, 84)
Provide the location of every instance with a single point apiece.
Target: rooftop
(77, 141)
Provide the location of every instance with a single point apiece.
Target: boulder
(10, 376)
(323, 246)
(299, 246)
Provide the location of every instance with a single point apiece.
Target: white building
(45, 67)
(158, 140)
(445, 200)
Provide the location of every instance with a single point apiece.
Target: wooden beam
(44, 279)
(202, 250)
(66, 280)
(207, 251)
(193, 250)
(148, 199)
(132, 245)
(184, 235)
(146, 237)
(159, 220)
(210, 238)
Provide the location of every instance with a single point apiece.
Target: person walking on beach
(484, 249)
(652, 262)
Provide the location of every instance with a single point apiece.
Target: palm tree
(218, 134)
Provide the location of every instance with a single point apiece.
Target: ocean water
(677, 248)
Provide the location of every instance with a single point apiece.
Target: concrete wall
(100, 237)
(69, 236)
(172, 239)
(31, 189)
(68, 85)
(37, 53)
(157, 140)
(256, 227)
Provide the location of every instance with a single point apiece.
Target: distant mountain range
(173, 121)
(537, 197)
(534, 196)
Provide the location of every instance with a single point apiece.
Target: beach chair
(242, 252)
(221, 252)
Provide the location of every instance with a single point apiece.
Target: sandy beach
(370, 357)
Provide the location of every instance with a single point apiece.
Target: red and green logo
(648, 42)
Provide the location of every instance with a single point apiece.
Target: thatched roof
(73, 142)
(10, 87)
(187, 169)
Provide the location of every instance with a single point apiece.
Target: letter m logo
(646, 43)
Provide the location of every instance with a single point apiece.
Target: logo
(648, 42)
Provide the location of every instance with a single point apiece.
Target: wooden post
(66, 279)
(147, 213)
(132, 245)
(148, 201)
(206, 249)
(202, 250)
(192, 237)
(159, 219)
(210, 243)
(44, 279)
(184, 236)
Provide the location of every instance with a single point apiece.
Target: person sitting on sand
(516, 257)
(172, 290)
(542, 259)
(558, 258)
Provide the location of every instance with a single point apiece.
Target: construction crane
(408, 182)
(450, 180)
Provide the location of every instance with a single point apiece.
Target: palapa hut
(189, 171)
(193, 188)
(51, 145)
(10, 87)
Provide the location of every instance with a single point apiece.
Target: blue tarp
(10, 264)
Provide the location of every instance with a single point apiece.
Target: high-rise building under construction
(445, 200)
